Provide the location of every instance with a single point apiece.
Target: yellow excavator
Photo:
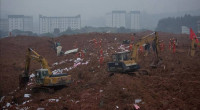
(125, 62)
(44, 76)
(193, 47)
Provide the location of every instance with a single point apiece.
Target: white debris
(78, 60)
(123, 88)
(55, 64)
(32, 75)
(115, 38)
(61, 62)
(85, 63)
(76, 64)
(26, 101)
(27, 95)
(71, 60)
(138, 101)
(57, 71)
(117, 106)
(71, 51)
(100, 90)
(8, 104)
(53, 100)
(30, 83)
(2, 99)
(40, 109)
(24, 108)
(77, 101)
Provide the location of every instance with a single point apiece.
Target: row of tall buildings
(117, 19)
(46, 24)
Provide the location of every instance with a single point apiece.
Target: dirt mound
(173, 85)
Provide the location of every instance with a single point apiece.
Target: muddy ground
(175, 84)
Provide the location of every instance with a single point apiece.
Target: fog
(93, 11)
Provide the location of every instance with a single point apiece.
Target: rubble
(174, 85)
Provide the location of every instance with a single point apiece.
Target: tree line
(173, 24)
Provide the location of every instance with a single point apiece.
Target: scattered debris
(27, 95)
(136, 106)
(2, 98)
(138, 101)
(53, 100)
(40, 108)
(71, 51)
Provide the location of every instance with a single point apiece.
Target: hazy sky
(93, 8)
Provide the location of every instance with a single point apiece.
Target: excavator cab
(121, 56)
(40, 74)
(122, 62)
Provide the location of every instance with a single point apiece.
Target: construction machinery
(194, 45)
(124, 62)
(44, 76)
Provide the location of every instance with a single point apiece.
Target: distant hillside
(173, 24)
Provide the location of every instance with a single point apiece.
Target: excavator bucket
(155, 63)
(23, 80)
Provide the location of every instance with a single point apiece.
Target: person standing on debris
(174, 46)
(101, 52)
(130, 47)
(132, 37)
(170, 44)
(95, 43)
(141, 49)
(162, 45)
(101, 59)
(100, 43)
(82, 55)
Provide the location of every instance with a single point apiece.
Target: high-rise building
(134, 20)
(20, 22)
(48, 24)
(118, 19)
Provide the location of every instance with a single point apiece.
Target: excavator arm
(24, 77)
(144, 40)
(194, 45)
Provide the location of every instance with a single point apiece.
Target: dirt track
(174, 85)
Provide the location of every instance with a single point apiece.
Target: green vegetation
(173, 24)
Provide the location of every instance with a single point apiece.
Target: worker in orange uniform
(141, 49)
(174, 46)
(82, 54)
(162, 45)
(100, 43)
(101, 52)
(95, 43)
(101, 59)
(130, 47)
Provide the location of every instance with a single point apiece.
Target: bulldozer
(43, 77)
(126, 62)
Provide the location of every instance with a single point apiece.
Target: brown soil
(173, 85)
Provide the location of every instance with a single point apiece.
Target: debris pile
(174, 85)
